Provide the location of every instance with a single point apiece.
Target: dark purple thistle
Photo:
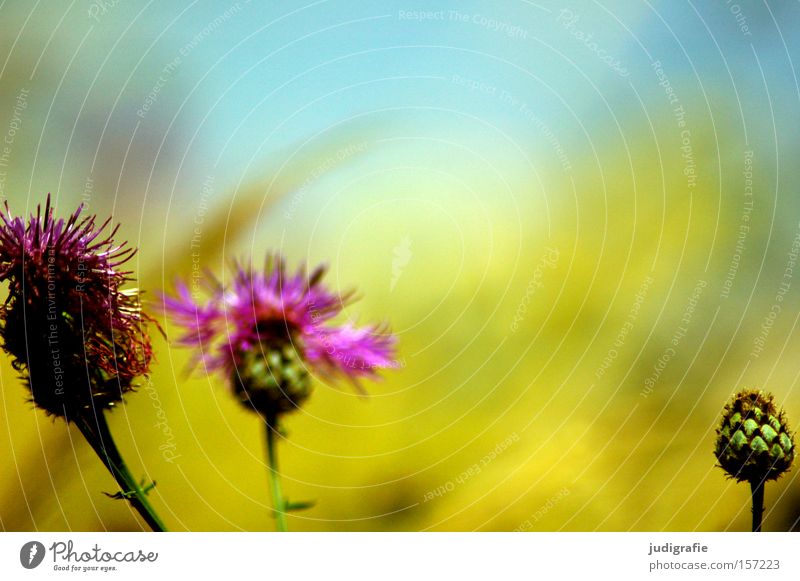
(268, 329)
(77, 339)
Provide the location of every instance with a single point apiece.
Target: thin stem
(278, 502)
(95, 429)
(757, 489)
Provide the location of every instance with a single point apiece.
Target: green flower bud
(754, 443)
(272, 378)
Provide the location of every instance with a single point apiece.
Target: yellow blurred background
(582, 263)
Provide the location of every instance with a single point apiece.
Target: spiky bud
(75, 336)
(272, 378)
(754, 443)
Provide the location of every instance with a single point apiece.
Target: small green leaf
(121, 495)
(295, 506)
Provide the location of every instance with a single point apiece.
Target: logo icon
(31, 554)
(402, 256)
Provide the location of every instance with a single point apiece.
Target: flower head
(754, 442)
(267, 329)
(73, 334)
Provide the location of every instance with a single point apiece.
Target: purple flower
(76, 337)
(268, 328)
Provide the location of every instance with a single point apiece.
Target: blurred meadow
(581, 219)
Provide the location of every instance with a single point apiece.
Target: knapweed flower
(754, 443)
(269, 329)
(74, 335)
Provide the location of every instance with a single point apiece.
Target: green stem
(95, 429)
(757, 489)
(278, 502)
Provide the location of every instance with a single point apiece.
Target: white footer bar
(407, 556)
